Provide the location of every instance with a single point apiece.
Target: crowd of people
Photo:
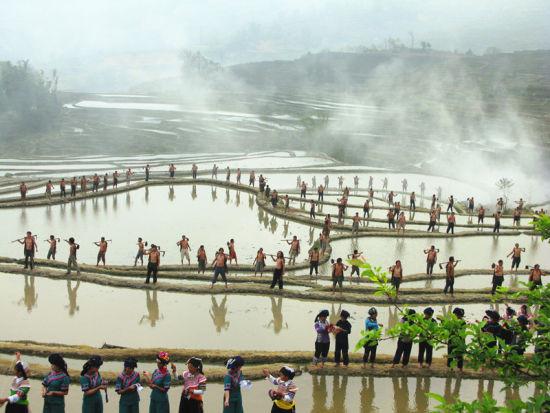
(222, 260)
(130, 384)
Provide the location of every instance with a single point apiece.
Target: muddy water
(208, 216)
(319, 394)
(80, 313)
(475, 252)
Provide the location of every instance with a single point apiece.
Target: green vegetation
(480, 349)
(541, 224)
(28, 101)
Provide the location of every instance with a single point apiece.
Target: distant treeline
(28, 101)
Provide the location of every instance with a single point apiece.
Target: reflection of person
(218, 313)
(277, 311)
(152, 308)
(29, 295)
(401, 394)
(319, 395)
(367, 394)
(71, 292)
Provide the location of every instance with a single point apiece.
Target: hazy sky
(61, 33)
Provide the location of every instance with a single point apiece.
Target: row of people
(129, 384)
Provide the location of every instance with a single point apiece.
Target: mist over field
(453, 88)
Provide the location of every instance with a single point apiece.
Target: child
(405, 342)
(55, 385)
(283, 395)
(370, 348)
(232, 383)
(424, 345)
(159, 383)
(194, 386)
(91, 384)
(128, 387)
(322, 343)
(342, 331)
(20, 386)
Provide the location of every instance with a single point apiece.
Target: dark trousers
(302, 194)
(430, 267)
(431, 226)
(321, 350)
(312, 213)
(62, 192)
(152, 269)
(450, 228)
(219, 271)
(29, 258)
(450, 358)
(424, 347)
(391, 223)
(497, 282)
(320, 197)
(370, 353)
(277, 279)
(51, 253)
(413, 205)
(16, 408)
(277, 409)
(449, 285)
(403, 349)
(73, 190)
(190, 405)
(496, 228)
(313, 265)
(341, 352)
(450, 208)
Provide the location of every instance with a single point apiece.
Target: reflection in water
(319, 394)
(251, 201)
(23, 216)
(30, 297)
(194, 192)
(273, 224)
(48, 212)
(227, 197)
(277, 311)
(214, 193)
(128, 200)
(367, 394)
(71, 292)
(152, 308)
(115, 202)
(171, 193)
(285, 229)
(420, 397)
(311, 235)
(238, 198)
(339, 393)
(401, 394)
(146, 194)
(218, 313)
(451, 393)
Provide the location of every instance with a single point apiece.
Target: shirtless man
(102, 244)
(371, 196)
(312, 209)
(471, 206)
(338, 275)
(72, 262)
(147, 171)
(451, 205)
(278, 271)
(95, 183)
(356, 255)
(83, 184)
(366, 209)
(153, 264)
(227, 174)
(73, 186)
(396, 272)
(215, 172)
(431, 259)
(303, 189)
(516, 256)
(287, 202)
(62, 188)
(194, 170)
(49, 188)
(23, 190)
(239, 175)
(498, 276)
(401, 222)
(451, 220)
(220, 267)
(129, 174)
(438, 212)
(185, 248)
(355, 223)
(391, 219)
(480, 217)
(327, 227)
(259, 262)
(53, 247)
(252, 179)
(294, 250)
(115, 179)
(450, 276)
(517, 217)
(320, 193)
(433, 218)
(140, 251)
(172, 170)
(29, 248)
(261, 182)
(535, 277)
(314, 261)
(412, 201)
(105, 181)
(496, 227)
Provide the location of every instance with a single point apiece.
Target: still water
(79, 313)
(320, 394)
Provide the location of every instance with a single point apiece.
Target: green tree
(478, 348)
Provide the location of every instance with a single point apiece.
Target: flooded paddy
(217, 321)
(320, 394)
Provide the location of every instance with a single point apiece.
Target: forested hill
(28, 102)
